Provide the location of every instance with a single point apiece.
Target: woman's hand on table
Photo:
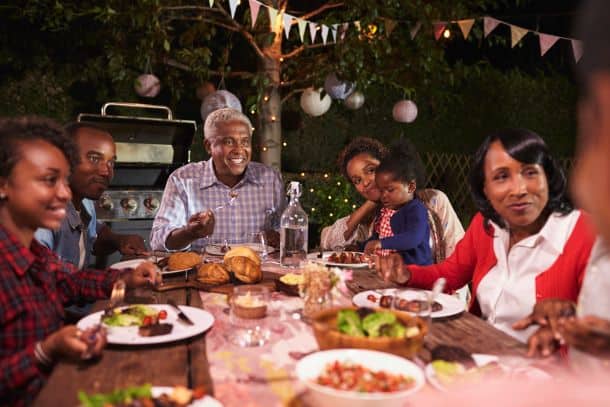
(547, 312)
(588, 334)
(70, 344)
(391, 268)
(145, 275)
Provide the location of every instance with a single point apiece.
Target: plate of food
(180, 262)
(358, 377)
(177, 396)
(409, 301)
(148, 324)
(216, 249)
(130, 264)
(341, 259)
(453, 366)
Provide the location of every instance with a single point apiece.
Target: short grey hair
(226, 115)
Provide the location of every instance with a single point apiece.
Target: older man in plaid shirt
(226, 198)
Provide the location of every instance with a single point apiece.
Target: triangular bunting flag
(438, 30)
(272, 18)
(344, 28)
(357, 25)
(333, 31)
(211, 3)
(389, 26)
(287, 23)
(233, 7)
(415, 29)
(254, 7)
(516, 33)
(466, 26)
(546, 42)
(302, 24)
(489, 24)
(577, 50)
(313, 30)
(324, 33)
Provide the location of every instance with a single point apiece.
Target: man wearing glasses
(80, 233)
(225, 199)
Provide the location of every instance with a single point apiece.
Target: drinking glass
(259, 243)
(415, 303)
(249, 305)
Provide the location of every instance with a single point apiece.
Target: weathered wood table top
(185, 362)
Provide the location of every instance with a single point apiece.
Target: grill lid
(145, 141)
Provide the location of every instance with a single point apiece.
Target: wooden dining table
(185, 362)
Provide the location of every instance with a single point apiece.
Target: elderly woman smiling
(526, 243)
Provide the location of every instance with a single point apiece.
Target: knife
(181, 314)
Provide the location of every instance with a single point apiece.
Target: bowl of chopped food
(383, 330)
(358, 377)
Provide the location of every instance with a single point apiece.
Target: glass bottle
(293, 230)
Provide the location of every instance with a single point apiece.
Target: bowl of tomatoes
(358, 377)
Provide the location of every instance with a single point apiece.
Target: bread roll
(243, 251)
(244, 269)
(183, 260)
(213, 273)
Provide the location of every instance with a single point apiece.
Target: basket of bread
(241, 264)
(384, 330)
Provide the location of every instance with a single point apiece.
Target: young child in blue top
(402, 224)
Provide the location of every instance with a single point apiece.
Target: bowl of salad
(383, 330)
(358, 377)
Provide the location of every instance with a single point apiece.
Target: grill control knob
(151, 203)
(129, 204)
(106, 203)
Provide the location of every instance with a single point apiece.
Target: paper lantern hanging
(355, 100)
(404, 111)
(313, 103)
(147, 85)
(337, 89)
(218, 100)
(205, 89)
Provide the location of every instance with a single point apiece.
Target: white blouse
(507, 292)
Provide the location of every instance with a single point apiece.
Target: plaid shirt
(194, 188)
(34, 287)
(384, 229)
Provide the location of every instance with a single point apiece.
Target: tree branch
(289, 94)
(232, 74)
(320, 10)
(302, 48)
(245, 33)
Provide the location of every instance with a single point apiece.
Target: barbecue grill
(149, 149)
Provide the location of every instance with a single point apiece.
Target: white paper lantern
(312, 102)
(337, 89)
(147, 85)
(355, 100)
(404, 111)
(218, 100)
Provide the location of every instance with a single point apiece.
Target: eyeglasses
(97, 160)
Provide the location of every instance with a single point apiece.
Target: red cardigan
(474, 256)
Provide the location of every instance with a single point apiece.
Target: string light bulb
(281, 59)
(302, 174)
(266, 98)
(325, 175)
(310, 189)
(446, 33)
(330, 197)
(338, 183)
(284, 144)
(313, 209)
(273, 118)
(264, 148)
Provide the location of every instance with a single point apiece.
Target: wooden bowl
(328, 336)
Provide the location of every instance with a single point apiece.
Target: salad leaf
(126, 395)
(372, 323)
(348, 322)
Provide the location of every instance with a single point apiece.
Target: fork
(228, 204)
(116, 297)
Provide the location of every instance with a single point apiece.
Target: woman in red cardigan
(526, 243)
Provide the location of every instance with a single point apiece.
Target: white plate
(128, 264)
(311, 366)
(166, 271)
(326, 255)
(482, 359)
(215, 249)
(207, 401)
(451, 305)
(128, 335)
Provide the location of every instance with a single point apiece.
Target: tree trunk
(270, 109)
